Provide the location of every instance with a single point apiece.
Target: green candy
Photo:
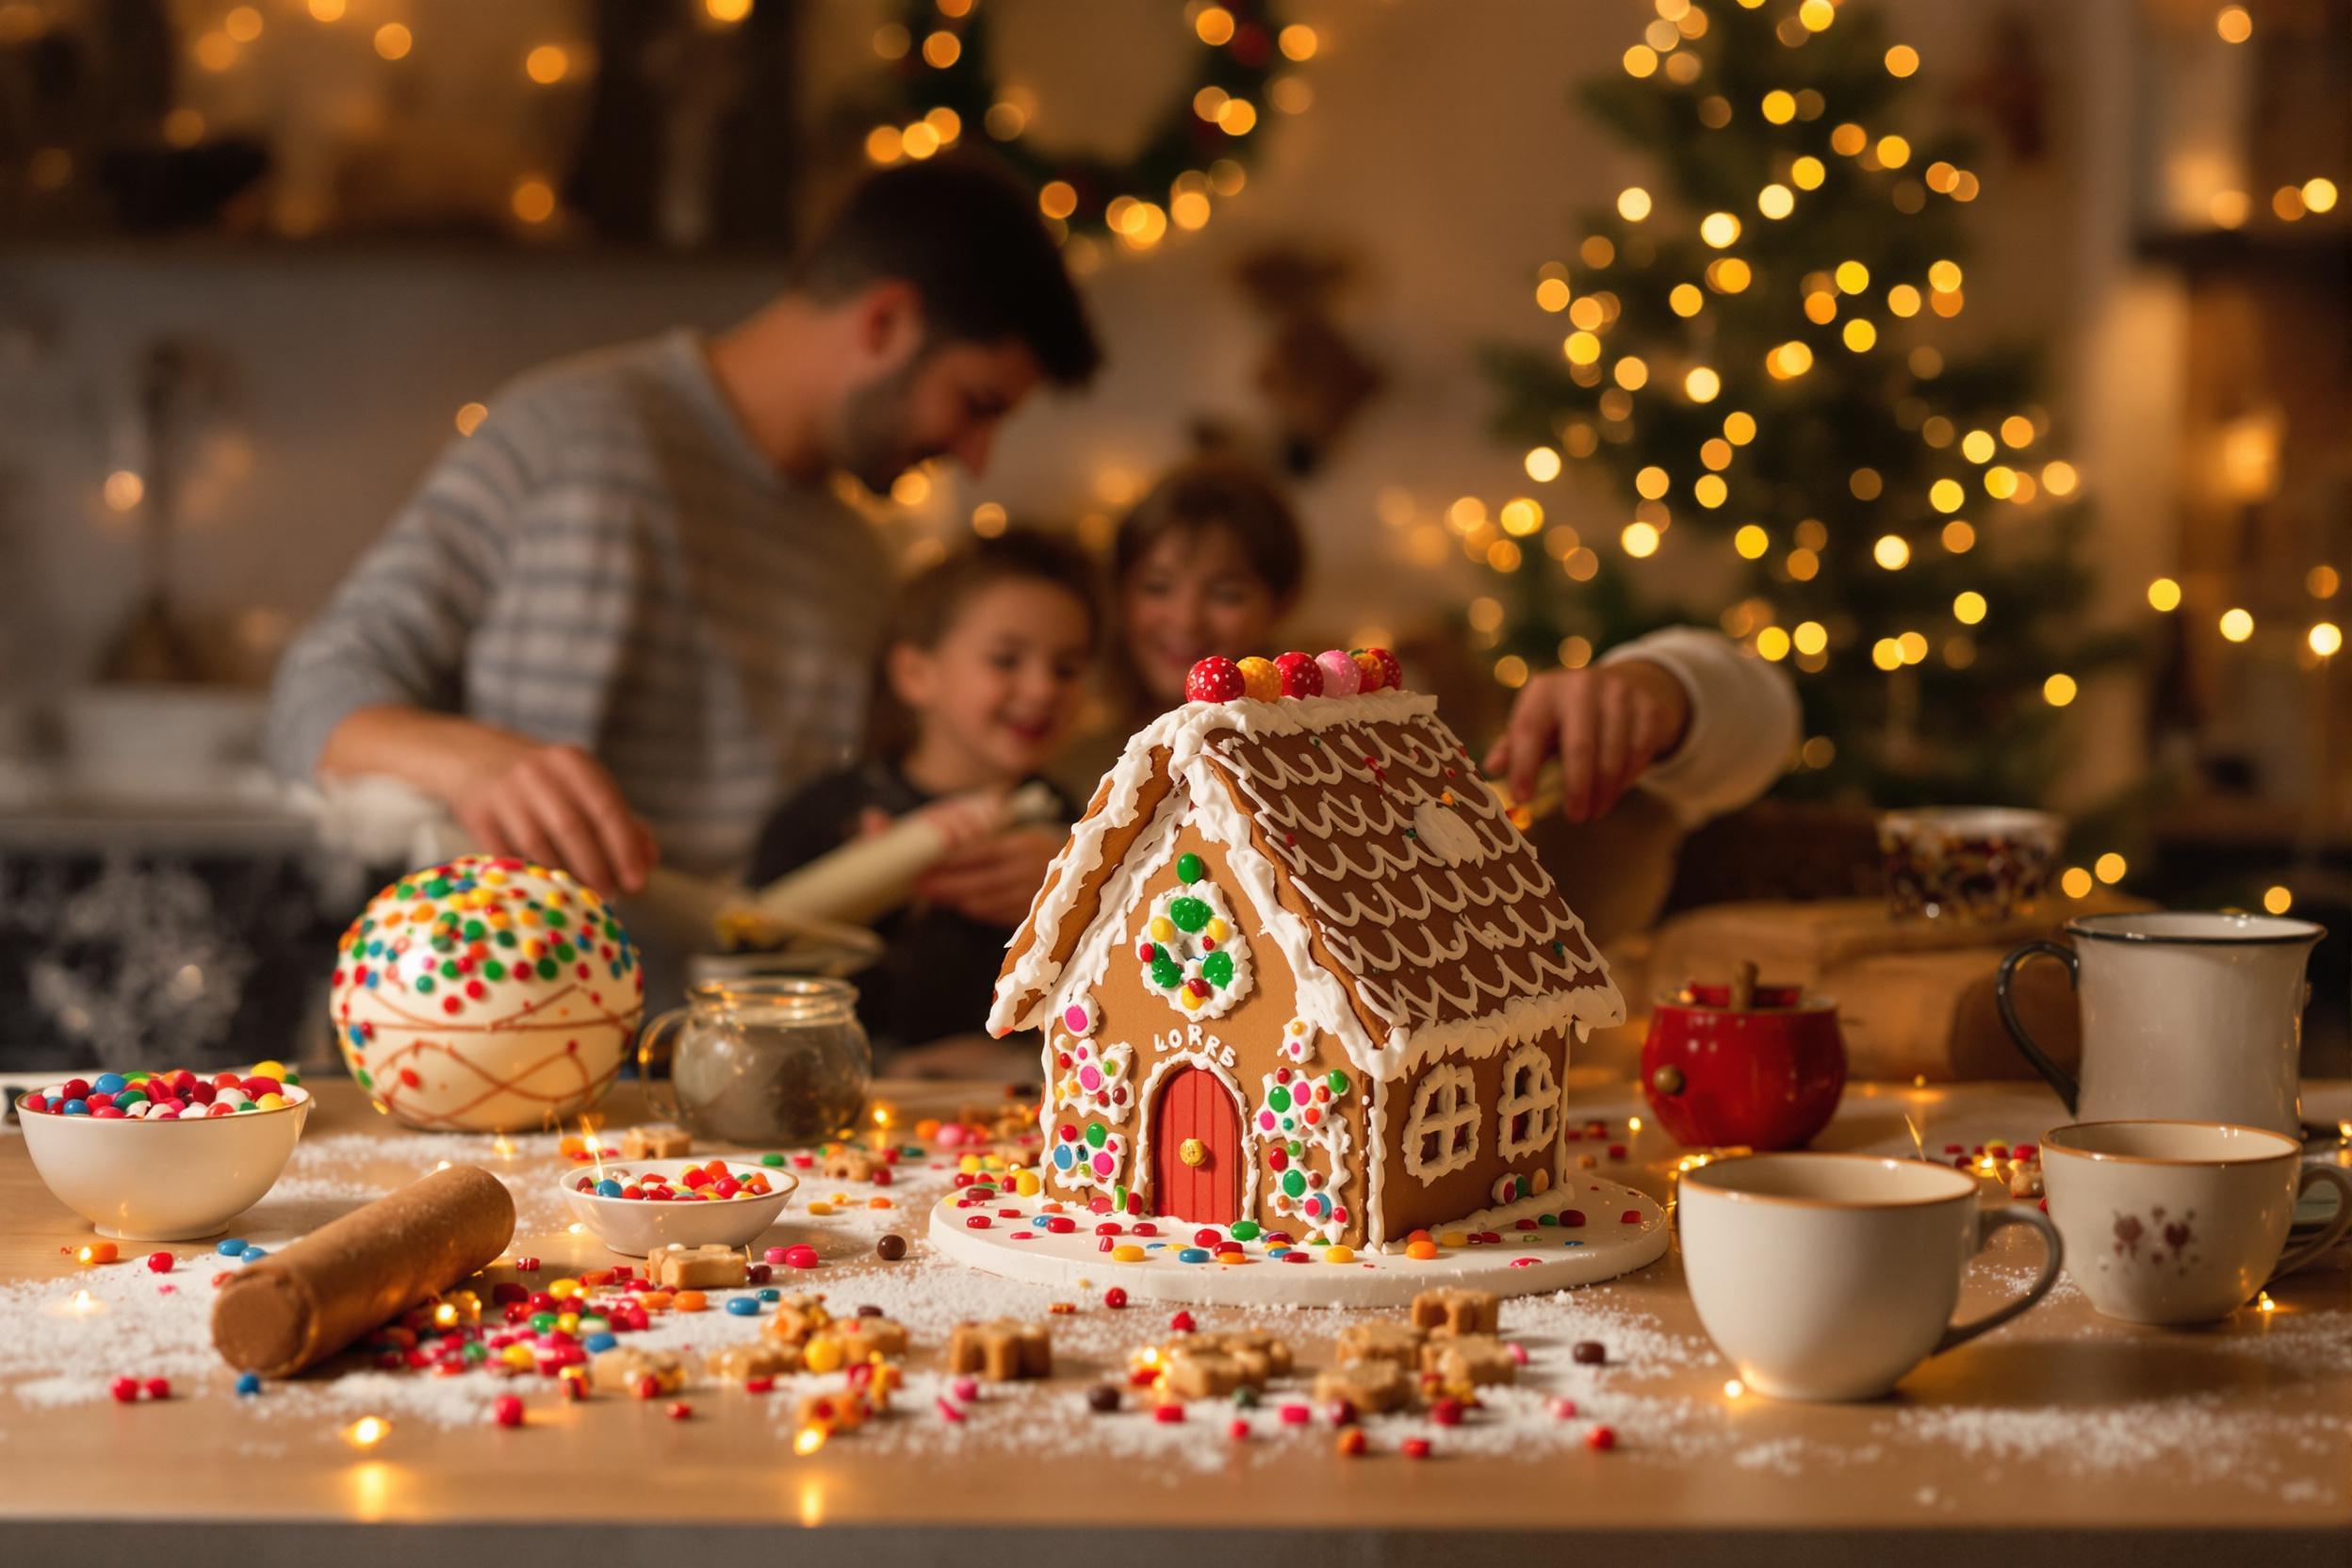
(1295, 1183)
(1167, 974)
(1217, 969)
(1278, 1098)
(1338, 1082)
(770, 1160)
(1245, 1230)
(546, 969)
(1095, 1134)
(542, 1321)
(1190, 914)
(1188, 868)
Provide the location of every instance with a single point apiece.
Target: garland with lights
(945, 80)
(1758, 372)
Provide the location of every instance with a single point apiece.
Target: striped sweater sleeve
(396, 632)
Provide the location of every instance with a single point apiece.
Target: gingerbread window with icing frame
(1526, 1120)
(1442, 1135)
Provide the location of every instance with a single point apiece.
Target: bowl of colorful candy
(1973, 863)
(163, 1156)
(636, 1207)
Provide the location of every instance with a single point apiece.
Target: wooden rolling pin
(301, 1305)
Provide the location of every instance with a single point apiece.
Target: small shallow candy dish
(633, 1227)
(147, 1179)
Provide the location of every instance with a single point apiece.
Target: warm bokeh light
(2164, 594)
(470, 417)
(2110, 868)
(1542, 465)
(533, 200)
(2325, 639)
(1901, 60)
(2075, 882)
(394, 41)
(2234, 24)
(1639, 540)
(2277, 901)
(2237, 625)
(1298, 41)
(548, 64)
(2059, 690)
(1891, 551)
(1702, 385)
(1751, 541)
(1633, 204)
(1969, 608)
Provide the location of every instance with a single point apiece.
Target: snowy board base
(1014, 1242)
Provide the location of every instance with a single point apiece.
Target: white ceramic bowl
(138, 1180)
(632, 1227)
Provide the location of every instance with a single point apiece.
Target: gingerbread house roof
(1412, 911)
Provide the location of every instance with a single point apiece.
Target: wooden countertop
(1973, 1460)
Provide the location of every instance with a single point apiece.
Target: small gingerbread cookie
(656, 1143)
(753, 1359)
(709, 1267)
(1374, 1387)
(1449, 1311)
(1380, 1339)
(1000, 1351)
(796, 1318)
(1194, 1372)
(1468, 1361)
(847, 1162)
(863, 1337)
(617, 1370)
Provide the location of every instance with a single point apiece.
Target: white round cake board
(1523, 1263)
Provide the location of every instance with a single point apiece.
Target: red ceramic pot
(1766, 1076)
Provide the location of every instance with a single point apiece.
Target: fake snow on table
(1583, 1233)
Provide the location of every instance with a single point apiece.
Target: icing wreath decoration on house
(947, 84)
(1189, 950)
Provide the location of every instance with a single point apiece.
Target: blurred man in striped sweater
(628, 615)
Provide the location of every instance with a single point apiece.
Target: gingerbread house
(1298, 970)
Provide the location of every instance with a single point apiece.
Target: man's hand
(555, 804)
(994, 880)
(1608, 723)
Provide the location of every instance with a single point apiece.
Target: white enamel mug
(2185, 1015)
(1830, 1276)
(2180, 1221)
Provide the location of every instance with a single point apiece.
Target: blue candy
(249, 1384)
(253, 1254)
(231, 1247)
(599, 1343)
(769, 1293)
(75, 1107)
(107, 1083)
(743, 1306)
(609, 1188)
(1193, 1254)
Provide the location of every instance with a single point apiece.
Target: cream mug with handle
(2185, 1015)
(1830, 1276)
(2181, 1221)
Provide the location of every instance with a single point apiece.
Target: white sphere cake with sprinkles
(486, 995)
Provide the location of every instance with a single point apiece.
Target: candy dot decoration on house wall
(1191, 952)
(488, 994)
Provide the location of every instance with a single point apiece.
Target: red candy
(1169, 1415)
(1214, 680)
(1415, 1448)
(1182, 1323)
(1115, 1298)
(1600, 1438)
(1381, 670)
(801, 1256)
(125, 1390)
(1301, 676)
(507, 1410)
(680, 1411)
(160, 1263)
(1239, 1431)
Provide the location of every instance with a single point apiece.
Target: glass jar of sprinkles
(772, 1060)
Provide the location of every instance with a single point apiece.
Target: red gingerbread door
(1196, 1150)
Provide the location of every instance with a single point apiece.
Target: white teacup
(2180, 1221)
(1830, 1276)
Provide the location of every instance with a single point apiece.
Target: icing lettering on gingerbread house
(1297, 969)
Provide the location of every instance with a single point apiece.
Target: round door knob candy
(1215, 679)
(1666, 1080)
(1301, 676)
(1261, 680)
(1193, 1152)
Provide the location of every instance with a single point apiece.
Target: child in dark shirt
(981, 676)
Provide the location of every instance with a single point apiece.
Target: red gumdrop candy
(1301, 676)
(1215, 679)
(508, 1411)
(158, 1388)
(123, 1389)
(1381, 670)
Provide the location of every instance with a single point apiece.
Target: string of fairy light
(1136, 202)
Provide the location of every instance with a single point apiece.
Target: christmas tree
(1758, 356)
